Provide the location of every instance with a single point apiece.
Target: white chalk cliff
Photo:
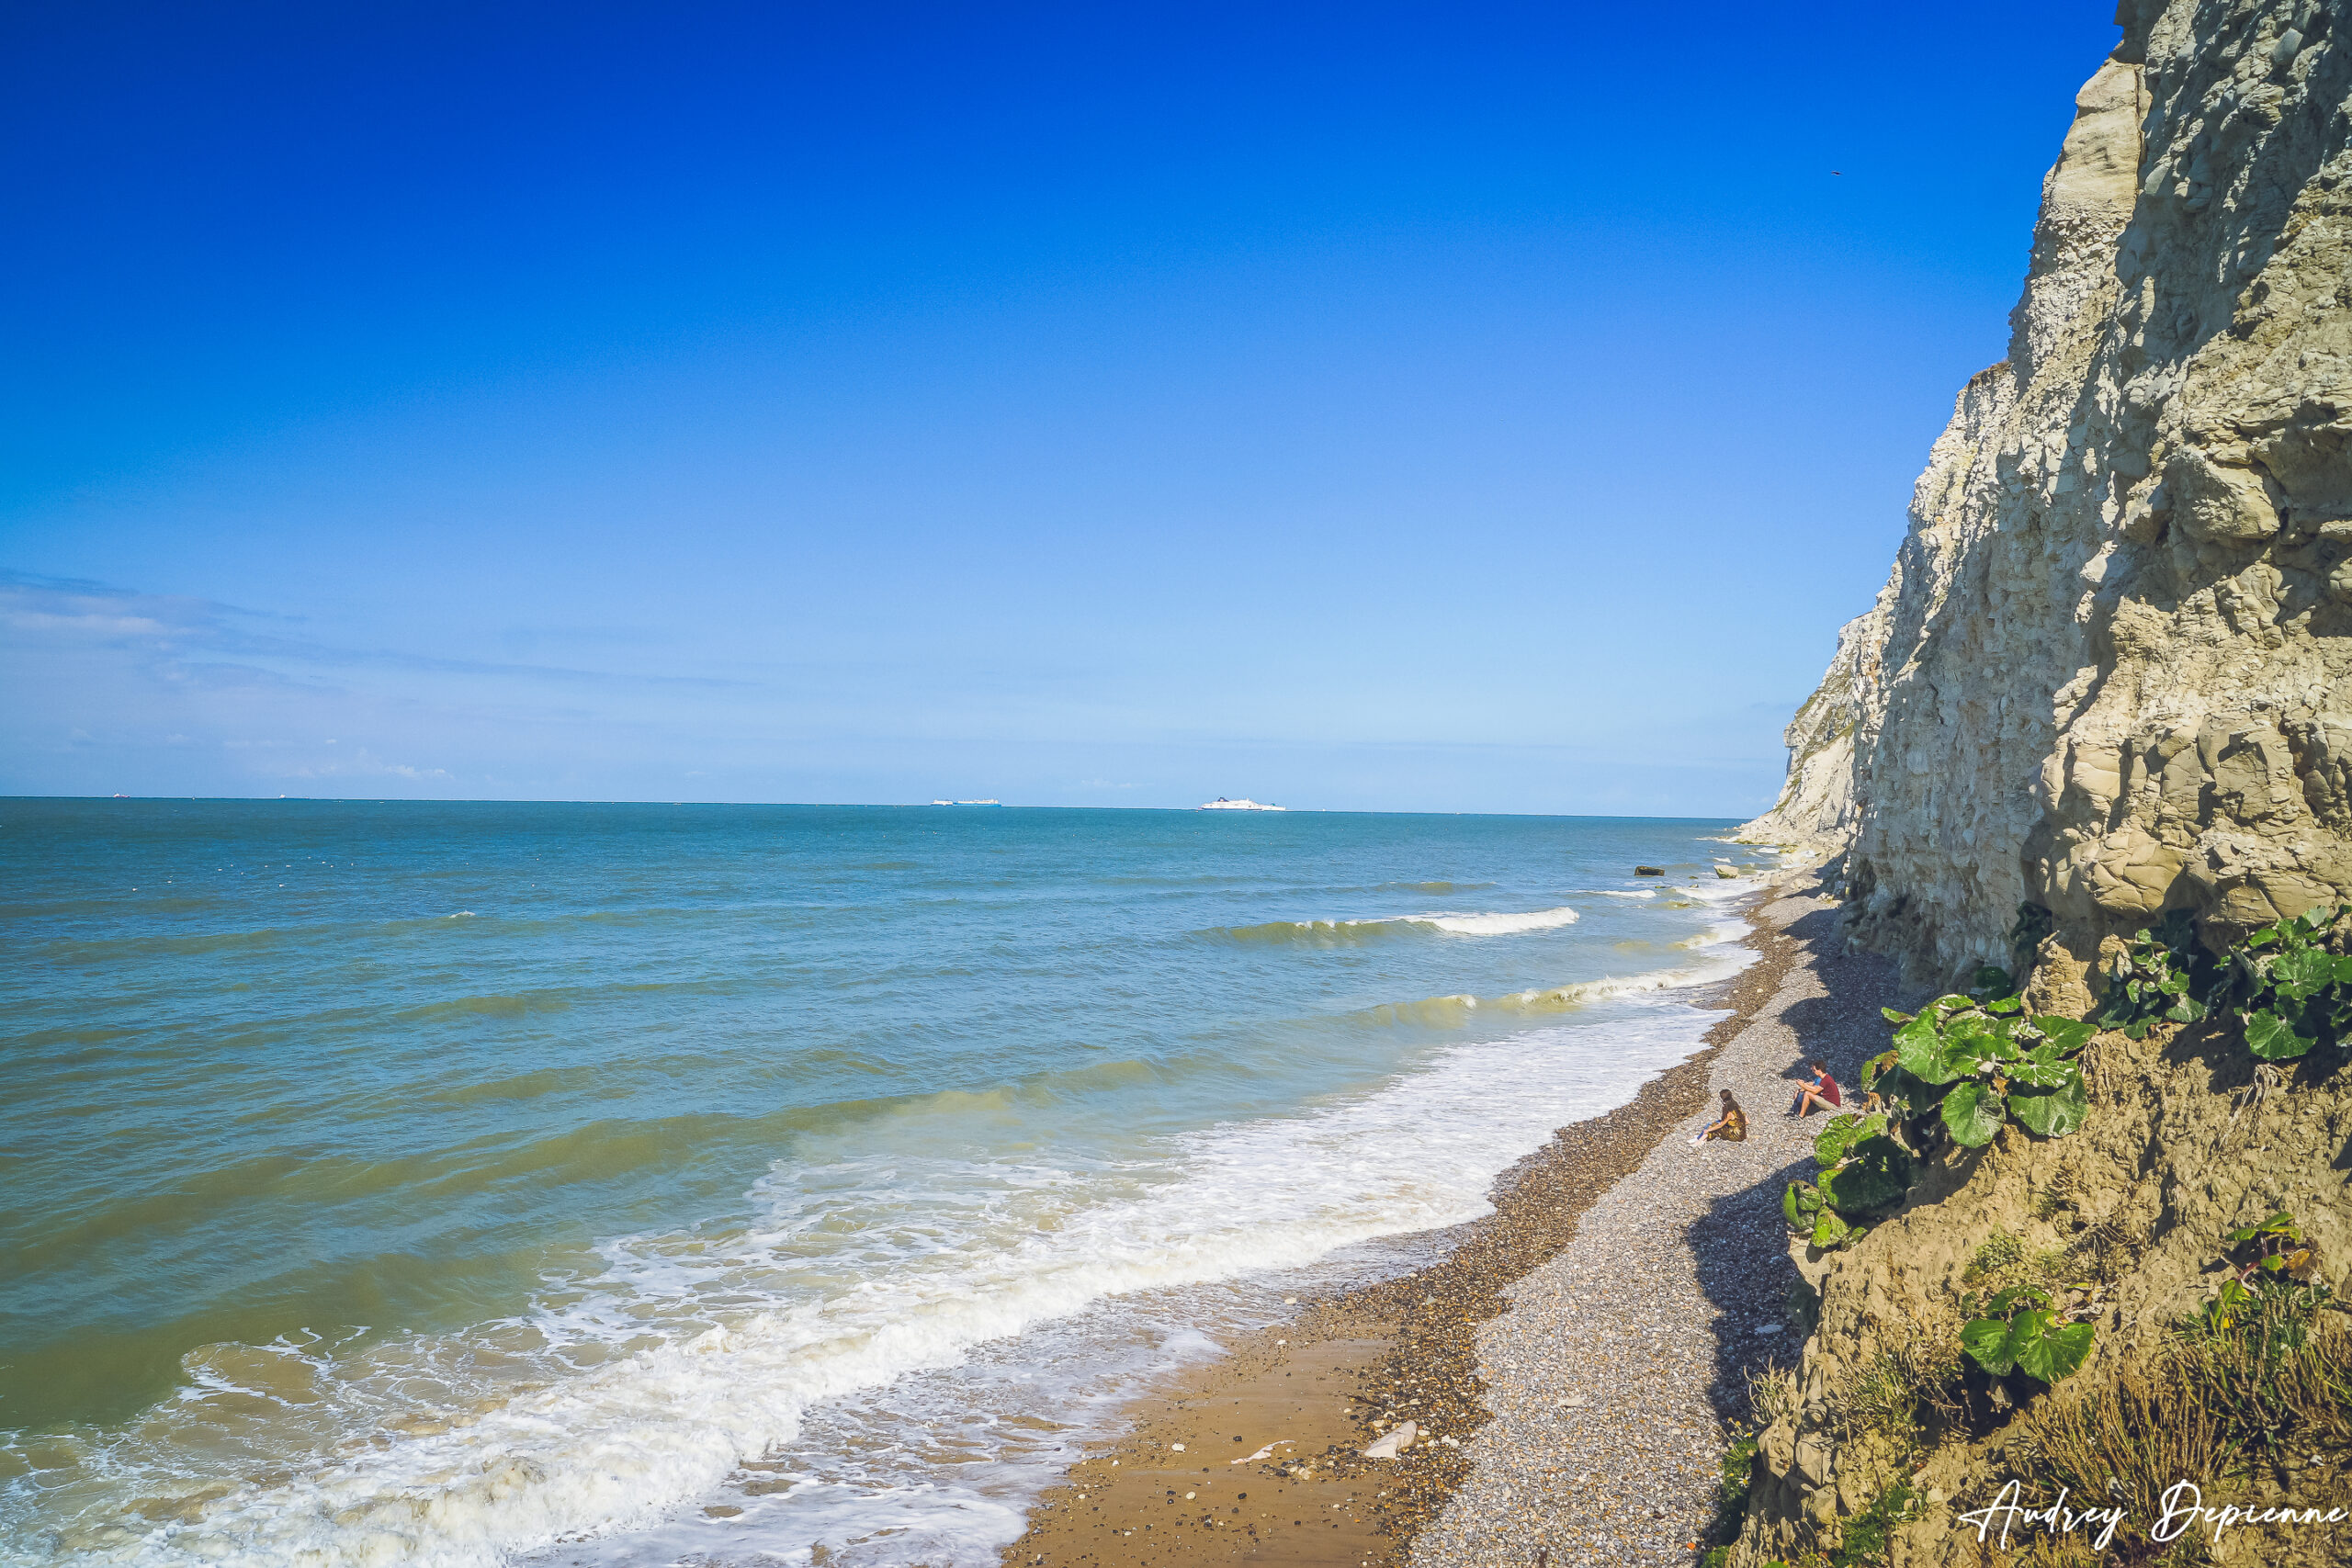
(2112, 672)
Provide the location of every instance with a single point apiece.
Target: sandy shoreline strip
(1453, 1346)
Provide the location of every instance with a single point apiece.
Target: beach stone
(1650, 1315)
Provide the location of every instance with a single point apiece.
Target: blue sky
(1394, 407)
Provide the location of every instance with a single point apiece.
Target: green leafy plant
(2273, 1371)
(1976, 1063)
(2159, 978)
(1993, 983)
(1863, 1172)
(2293, 991)
(1866, 1540)
(2278, 1248)
(1811, 1215)
(2020, 1332)
(1738, 1470)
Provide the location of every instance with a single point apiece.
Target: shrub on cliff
(2285, 986)
(1863, 1173)
(2292, 990)
(1975, 1063)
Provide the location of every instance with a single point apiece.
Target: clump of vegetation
(1901, 1391)
(1999, 1253)
(2284, 984)
(2278, 1247)
(2122, 1439)
(2260, 1379)
(1771, 1394)
(2160, 977)
(2294, 993)
(2004, 1259)
(2019, 1331)
(1867, 1539)
(1970, 1061)
(1731, 1487)
(1975, 1061)
(1863, 1173)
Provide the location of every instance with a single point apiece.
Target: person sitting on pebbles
(1820, 1089)
(1731, 1126)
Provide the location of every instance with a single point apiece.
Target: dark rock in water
(1649, 871)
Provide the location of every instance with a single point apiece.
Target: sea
(471, 1184)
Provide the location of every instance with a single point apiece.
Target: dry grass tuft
(1899, 1391)
(2234, 1408)
(1772, 1393)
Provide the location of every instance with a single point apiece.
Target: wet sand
(1346, 1370)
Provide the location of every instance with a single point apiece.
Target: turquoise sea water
(474, 1183)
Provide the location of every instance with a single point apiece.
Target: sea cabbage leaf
(1876, 1175)
(1974, 1113)
(2068, 1035)
(1919, 1051)
(1844, 1130)
(1986, 1340)
(2270, 1036)
(2045, 1351)
(2055, 1112)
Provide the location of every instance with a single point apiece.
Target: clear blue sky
(1432, 407)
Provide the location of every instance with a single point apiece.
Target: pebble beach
(1615, 1376)
(1574, 1364)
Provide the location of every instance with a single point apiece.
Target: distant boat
(967, 803)
(1221, 803)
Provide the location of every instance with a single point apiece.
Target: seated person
(1731, 1126)
(1819, 1089)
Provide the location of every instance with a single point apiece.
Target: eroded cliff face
(2112, 672)
(2110, 675)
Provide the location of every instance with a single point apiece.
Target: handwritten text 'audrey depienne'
(2184, 1509)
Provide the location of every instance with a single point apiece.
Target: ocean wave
(1499, 925)
(1311, 933)
(1718, 961)
(627, 1397)
(1383, 928)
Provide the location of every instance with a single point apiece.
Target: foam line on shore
(649, 1397)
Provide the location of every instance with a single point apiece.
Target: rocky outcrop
(1815, 811)
(2112, 672)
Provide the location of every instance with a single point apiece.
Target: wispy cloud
(176, 629)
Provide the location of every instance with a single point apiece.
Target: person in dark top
(1819, 1089)
(1731, 1126)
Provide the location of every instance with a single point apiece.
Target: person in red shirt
(1820, 1089)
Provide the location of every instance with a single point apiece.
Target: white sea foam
(884, 1252)
(1452, 922)
(1499, 925)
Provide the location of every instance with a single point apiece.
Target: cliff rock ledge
(2112, 672)
(2110, 678)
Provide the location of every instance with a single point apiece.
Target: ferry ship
(1245, 803)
